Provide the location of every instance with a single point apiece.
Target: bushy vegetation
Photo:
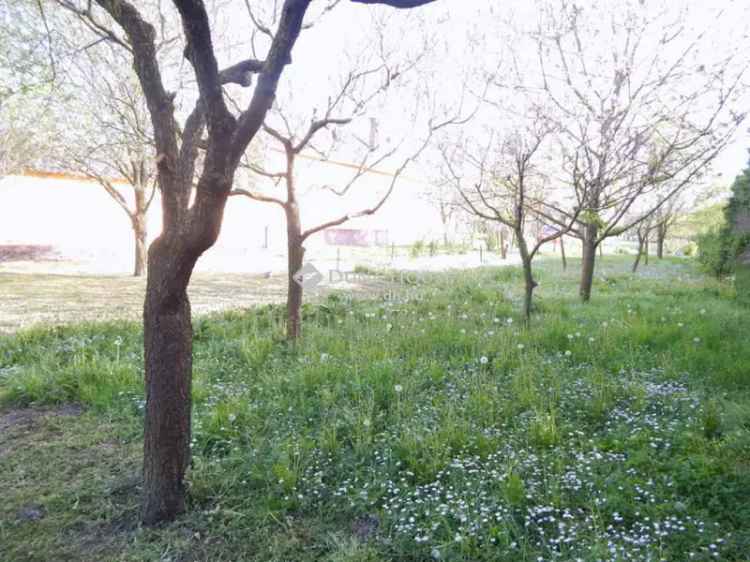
(431, 426)
(719, 247)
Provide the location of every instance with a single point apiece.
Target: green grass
(426, 425)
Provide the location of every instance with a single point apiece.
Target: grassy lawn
(429, 425)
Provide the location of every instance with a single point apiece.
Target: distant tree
(643, 232)
(28, 72)
(501, 182)
(641, 117)
(665, 218)
(111, 141)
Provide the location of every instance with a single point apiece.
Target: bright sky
(468, 39)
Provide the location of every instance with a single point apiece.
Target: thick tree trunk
(168, 338)
(661, 235)
(295, 260)
(562, 253)
(588, 262)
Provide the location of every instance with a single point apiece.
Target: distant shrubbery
(719, 248)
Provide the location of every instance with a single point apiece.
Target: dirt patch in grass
(15, 424)
(70, 485)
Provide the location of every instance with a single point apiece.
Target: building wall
(81, 221)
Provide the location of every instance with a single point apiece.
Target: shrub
(417, 248)
(718, 250)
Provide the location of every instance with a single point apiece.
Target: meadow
(428, 423)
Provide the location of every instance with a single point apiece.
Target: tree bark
(588, 262)
(295, 260)
(168, 340)
(562, 253)
(528, 276)
(645, 248)
(503, 245)
(139, 234)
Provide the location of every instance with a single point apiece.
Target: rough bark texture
(588, 262)
(168, 359)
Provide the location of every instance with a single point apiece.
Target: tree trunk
(638, 253)
(645, 248)
(528, 276)
(168, 341)
(661, 235)
(562, 253)
(295, 260)
(139, 234)
(503, 245)
(138, 218)
(588, 262)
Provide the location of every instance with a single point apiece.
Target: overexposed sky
(467, 39)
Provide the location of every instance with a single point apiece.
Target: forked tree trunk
(562, 253)
(295, 260)
(588, 262)
(168, 341)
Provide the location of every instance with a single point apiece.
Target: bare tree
(190, 224)
(503, 185)
(643, 232)
(292, 147)
(640, 116)
(111, 142)
(669, 214)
